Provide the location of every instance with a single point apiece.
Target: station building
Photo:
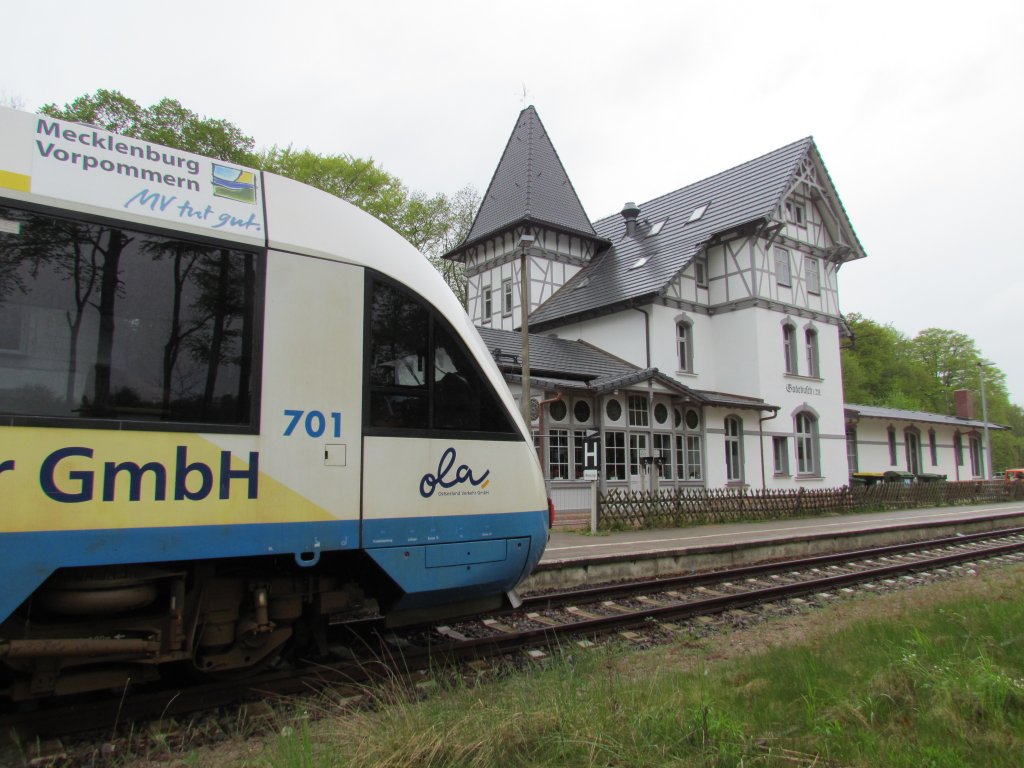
(890, 439)
(689, 340)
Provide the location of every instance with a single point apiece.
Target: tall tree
(167, 122)
(879, 368)
(432, 223)
(884, 367)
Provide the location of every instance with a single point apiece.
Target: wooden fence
(680, 507)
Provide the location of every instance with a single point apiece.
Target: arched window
(977, 464)
(733, 449)
(789, 347)
(912, 443)
(684, 345)
(806, 425)
(811, 338)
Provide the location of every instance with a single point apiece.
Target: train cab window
(422, 378)
(108, 322)
(398, 363)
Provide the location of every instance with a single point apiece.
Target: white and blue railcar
(232, 408)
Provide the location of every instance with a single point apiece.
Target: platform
(573, 559)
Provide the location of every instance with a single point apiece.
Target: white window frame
(783, 273)
(639, 410)
(733, 449)
(486, 304)
(662, 447)
(615, 455)
(852, 455)
(796, 213)
(684, 345)
(694, 458)
(805, 427)
(812, 274)
(637, 449)
(813, 358)
(912, 447)
(789, 347)
(700, 271)
(780, 455)
(506, 297)
(558, 454)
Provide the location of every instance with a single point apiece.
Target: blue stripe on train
(27, 559)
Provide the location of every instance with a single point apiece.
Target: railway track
(642, 612)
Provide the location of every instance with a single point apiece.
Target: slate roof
(558, 358)
(564, 364)
(748, 193)
(529, 185)
(897, 414)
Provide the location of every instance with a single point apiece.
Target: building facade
(719, 301)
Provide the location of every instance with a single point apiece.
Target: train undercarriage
(88, 629)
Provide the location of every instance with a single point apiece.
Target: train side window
(124, 325)
(406, 340)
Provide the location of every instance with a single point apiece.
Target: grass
(929, 677)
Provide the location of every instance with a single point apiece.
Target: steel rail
(552, 599)
(385, 663)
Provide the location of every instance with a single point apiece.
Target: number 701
(315, 422)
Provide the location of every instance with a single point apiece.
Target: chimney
(964, 401)
(630, 212)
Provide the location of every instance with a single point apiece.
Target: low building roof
(898, 414)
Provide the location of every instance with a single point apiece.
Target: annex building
(692, 339)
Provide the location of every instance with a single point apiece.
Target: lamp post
(525, 242)
(984, 416)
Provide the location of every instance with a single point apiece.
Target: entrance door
(639, 471)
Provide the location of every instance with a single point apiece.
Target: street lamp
(525, 243)
(984, 416)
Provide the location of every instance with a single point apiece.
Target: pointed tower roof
(529, 186)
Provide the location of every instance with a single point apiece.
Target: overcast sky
(917, 109)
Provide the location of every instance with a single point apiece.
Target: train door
(433, 427)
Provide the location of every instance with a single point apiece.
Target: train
(234, 410)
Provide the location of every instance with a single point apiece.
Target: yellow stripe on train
(80, 480)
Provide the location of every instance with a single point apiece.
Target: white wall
(873, 447)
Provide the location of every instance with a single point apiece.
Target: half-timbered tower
(530, 196)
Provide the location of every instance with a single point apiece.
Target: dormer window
(698, 213)
(640, 262)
